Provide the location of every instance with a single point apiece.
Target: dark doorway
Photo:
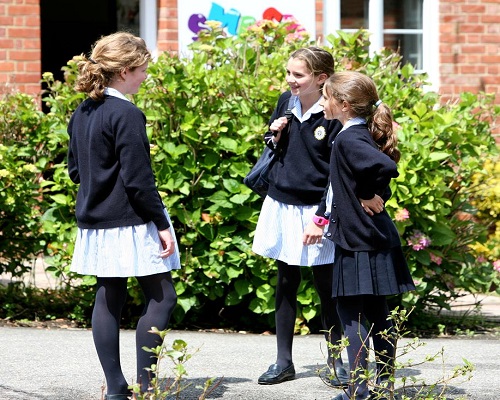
(70, 29)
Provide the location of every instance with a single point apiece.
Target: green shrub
(22, 159)
(206, 115)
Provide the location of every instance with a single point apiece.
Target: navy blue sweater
(109, 157)
(300, 175)
(358, 169)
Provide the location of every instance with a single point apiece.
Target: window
(395, 24)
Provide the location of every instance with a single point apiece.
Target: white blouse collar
(113, 92)
(353, 121)
(297, 110)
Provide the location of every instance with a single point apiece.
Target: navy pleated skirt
(379, 273)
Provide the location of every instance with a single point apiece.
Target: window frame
(429, 31)
(148, 26)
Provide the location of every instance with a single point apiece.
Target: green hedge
(206, 115)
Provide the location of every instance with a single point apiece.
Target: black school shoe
(275, 374)
(339, 379)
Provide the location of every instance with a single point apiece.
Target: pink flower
(496, 265)
(418, 241)
(481, 259)
(295, 36)
(402, 214)
(436, 259)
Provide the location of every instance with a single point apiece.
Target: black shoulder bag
(257, 178)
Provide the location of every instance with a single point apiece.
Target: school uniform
(118, 208)
(369, 258)
(297, 181)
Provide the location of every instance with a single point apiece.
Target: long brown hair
(360, 92)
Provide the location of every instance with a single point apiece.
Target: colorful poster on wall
(236, 15)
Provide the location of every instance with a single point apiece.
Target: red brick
(492, 80)
(493, 69)
(470, 9)
(22, 10)
(479, 49)
(474, 39)
(32, 21)
(34, 67)
(6, 44)
(6, 67)
(495, 59)
(472, 69)
(21, 32)
(469, 28)
(491, 39)
(5, 20)
(448, 38)
(24, 55)
(490, 18)
(26, 44)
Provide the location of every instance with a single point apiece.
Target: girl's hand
(373, 206)
(167, 242)
(277, 126)
(313, 234)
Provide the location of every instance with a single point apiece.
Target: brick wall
(167, 25)
(20, 48)
(470, 49)
(470, 46)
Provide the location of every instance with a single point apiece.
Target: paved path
(38, 364)
(43, 364)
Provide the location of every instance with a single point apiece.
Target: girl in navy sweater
(296, 184)
(123, 227)
(369, 261)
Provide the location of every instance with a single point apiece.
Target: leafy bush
(206, 115)
(22, 159)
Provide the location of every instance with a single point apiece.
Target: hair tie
(92, 60)
(378, 102)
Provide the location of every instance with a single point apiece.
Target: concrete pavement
(42, 364)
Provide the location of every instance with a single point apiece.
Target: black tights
(289, 277)
(358, 315)
(160, 300)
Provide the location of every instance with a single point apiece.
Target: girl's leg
(160, 300)
(330, 321)
(377, 311)
(351, 312)
(109, 301)
(289, 278)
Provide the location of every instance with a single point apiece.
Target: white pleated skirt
(279, 235)
(122, 252)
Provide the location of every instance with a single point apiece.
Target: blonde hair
(109, 57)
(360, 92)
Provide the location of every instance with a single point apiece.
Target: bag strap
(291, 103)
(288, 112)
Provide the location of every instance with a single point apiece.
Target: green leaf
(438, 156)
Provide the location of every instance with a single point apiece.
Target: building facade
(457, 42)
